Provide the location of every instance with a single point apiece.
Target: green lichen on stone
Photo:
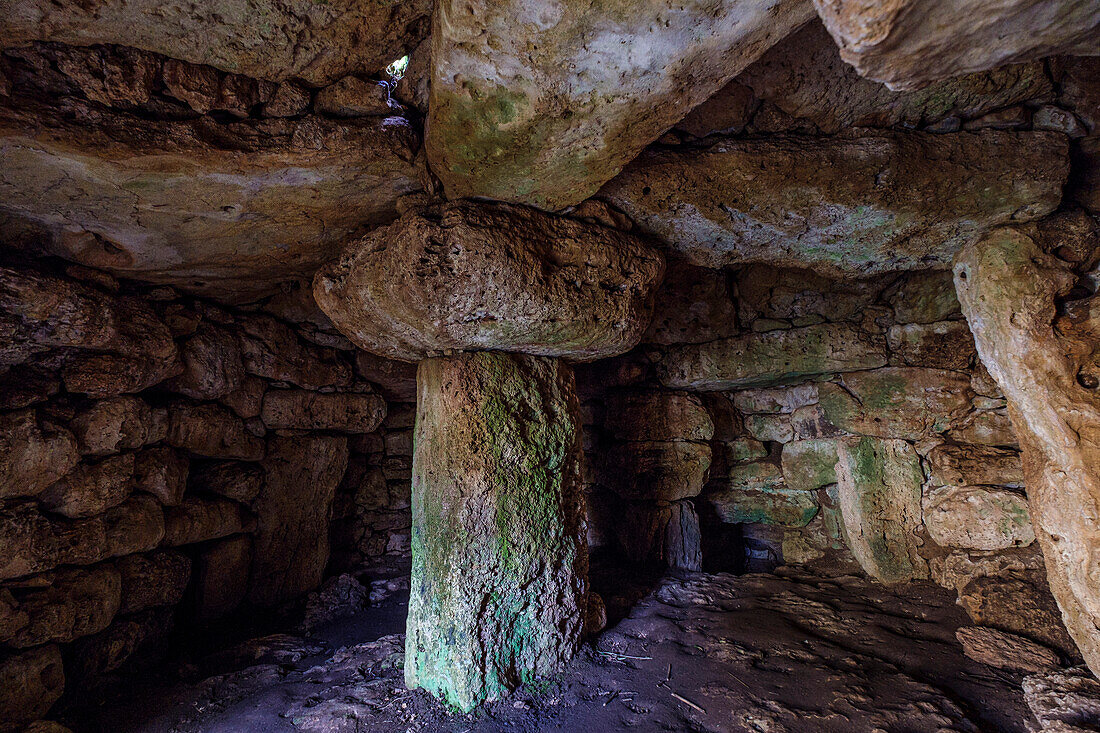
(755, 493)
(497, 526)
(879, 491)
(809, 464)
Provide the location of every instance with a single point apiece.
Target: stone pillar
(1046, 365)
(491, 300)
(499, 558)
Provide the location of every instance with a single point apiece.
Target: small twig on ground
(689, 703)
(608, 700)
(616, 655)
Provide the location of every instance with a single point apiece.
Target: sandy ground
(764, 653)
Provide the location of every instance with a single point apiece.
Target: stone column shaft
(499, 558)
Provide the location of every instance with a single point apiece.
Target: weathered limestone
(663, 470)
(228, 210)
(940, 345)
(110, 345)
(879, 491)
(270, 349)
(316, 42)
(1007, 287)
(234, 480)
(221, 576)
(157, 579)
(646, 416)
(30, 683)
(212, 366)
(31, 542)
(909, 43)
(543, 105)
(497, 526)
(479, 276)
(694, 304)
(896, 402)
(1004, 650)
(72, 603)
(804, 76)
(117, 425)
(843, 205)
(212, 431)
(91, 488)
(774, 357)
(344, 411)
(977, 518)
(291, 545)
(32, 457)
(809, 464)
(974, 465)
(198, 519)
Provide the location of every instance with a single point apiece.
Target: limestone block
(478, 276)
(879, 491)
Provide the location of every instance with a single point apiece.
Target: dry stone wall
(865, 435)
(168, 461)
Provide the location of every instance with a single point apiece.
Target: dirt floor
(766, 653)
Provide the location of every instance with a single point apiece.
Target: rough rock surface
(91, 488)
(317, 42)
(774, 357)
(694, 304)
(199, 519)
(909, 43)
(30, 683)
(498, 526)
(107, 345)
(477, 276)
(32, 457)
(117, 425)
(1007, 287)
(750, 653)
(879, 489)
(658, 470)
(303, 410)
(228, 210)
(292, 545)
(896, 402)
(1064, 701)
(32, 542)
(212, 431)
(1007, 651)
(883, 202)
(804, 76)
(977, 518)
(542, 106)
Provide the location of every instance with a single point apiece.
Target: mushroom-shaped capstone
(499, 583)
(477, 277)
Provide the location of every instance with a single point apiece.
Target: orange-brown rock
(33, 455)
(317, 42)
(291, 545)
(476, 276)
(1044, 365)
(30, 683)
(348, 412)
(229, 210)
